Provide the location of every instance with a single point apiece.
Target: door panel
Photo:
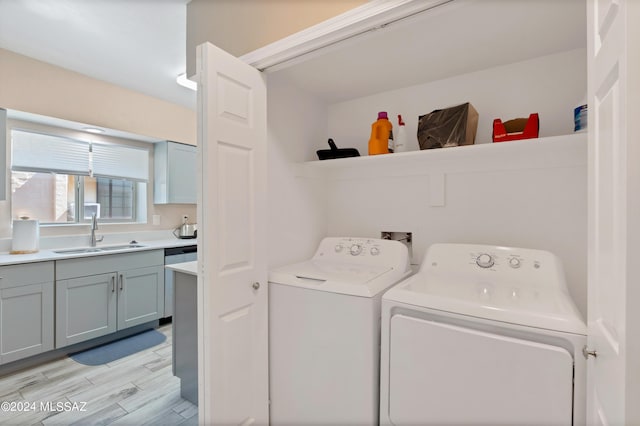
(232, 280)
(236, 216)
(613, 385)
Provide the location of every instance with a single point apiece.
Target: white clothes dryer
(482, 335)
(324, 332)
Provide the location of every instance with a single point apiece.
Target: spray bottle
(400, 137)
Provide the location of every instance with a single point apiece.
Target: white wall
(534, 207)
(537, 207)
(506, 194)
(297, 206)
(37, 87)
(239, 27)
(551, 86)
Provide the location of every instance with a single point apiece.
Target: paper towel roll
(26, 236)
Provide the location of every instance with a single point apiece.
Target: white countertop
(190, 268)
(50, 254)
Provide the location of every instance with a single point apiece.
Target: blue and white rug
(119, 349)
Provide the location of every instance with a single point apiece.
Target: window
(62, 180)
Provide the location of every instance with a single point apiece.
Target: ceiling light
(182, 80)
(93, 130)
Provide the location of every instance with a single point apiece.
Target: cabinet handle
(113, 284)
(121, 281)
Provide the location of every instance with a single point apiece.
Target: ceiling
(140, 44)
(136, 44)
(459, 37)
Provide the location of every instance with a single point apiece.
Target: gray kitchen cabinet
(85, 308)
(141, 297)
(100, 295)
(175, 169)
(26, 310)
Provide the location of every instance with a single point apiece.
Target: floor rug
(119, 349)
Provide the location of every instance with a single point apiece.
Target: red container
(530, 130)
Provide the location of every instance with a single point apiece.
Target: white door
(613, 391)
(232, 278)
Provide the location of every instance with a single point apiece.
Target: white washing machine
(482, 335)
(324, 332)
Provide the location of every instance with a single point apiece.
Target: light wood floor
(137, 390)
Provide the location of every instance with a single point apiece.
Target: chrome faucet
(94, 226)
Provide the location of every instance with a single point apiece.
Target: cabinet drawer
(102, 264)
(25, 274)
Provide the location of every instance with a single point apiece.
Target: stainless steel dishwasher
(172, 256)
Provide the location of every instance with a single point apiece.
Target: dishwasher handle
(172, 251)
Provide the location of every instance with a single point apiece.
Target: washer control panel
(358, 247)
(362, 250)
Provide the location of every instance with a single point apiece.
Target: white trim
(539, 153)
(370, 16)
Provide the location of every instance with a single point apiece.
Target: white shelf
(548, 152)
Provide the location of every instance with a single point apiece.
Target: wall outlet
(156, 219)
(404, 237)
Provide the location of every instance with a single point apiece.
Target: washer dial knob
(514, 262)
(356, 249)
(485, 260)
(338, 248)
(374, 251)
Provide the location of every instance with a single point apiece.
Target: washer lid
(336, 277)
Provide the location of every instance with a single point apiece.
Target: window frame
(139, 188)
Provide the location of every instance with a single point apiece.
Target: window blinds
(35, 152)
(118, 161)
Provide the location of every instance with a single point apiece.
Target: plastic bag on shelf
(447, 127)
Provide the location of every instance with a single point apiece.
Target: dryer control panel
(364, 251)
(496, 264)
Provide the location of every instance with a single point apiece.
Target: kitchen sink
(78, 250)
(98, 249)
(121, 247)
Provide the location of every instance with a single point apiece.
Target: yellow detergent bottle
(380, 135)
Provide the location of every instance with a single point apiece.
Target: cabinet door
(26, 321)
(85, 308)
(181, 173)
(140, 296)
